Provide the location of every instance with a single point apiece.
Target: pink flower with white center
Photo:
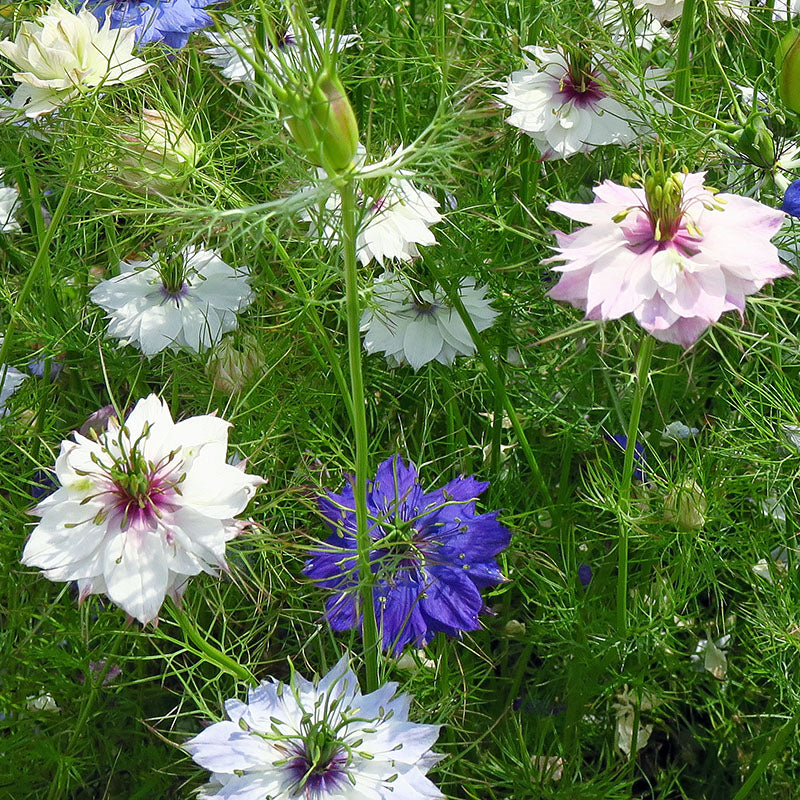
(141, 508)
(674, 254)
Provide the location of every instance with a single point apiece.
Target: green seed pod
(787, 60)
(754, 140)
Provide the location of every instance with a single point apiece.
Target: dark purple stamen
(582, 89)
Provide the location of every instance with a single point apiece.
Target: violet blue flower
(674, 254)
(167, 21)
(639, 455)
(791, 200)
(432, 555)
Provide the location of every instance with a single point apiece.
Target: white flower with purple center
(320, 740)
(565, 104)
(186, 301)
(141, 507)
(415, 326)
(431, 555)
(233, 51)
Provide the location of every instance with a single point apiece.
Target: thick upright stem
(685, 37)
(369, 630)
(642, 378)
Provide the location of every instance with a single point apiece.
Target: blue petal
(451, 601)
(791, 200)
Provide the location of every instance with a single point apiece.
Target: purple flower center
(139, 500)
(581, 87)
(424, 308)
(174, 295)
(317, 762)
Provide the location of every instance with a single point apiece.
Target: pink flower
(674, 254)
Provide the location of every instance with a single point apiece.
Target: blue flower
(167, 21)
(432, 555)
(639, 454)
(791, 200)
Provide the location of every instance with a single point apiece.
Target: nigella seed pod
(755, 141)
(787, 60)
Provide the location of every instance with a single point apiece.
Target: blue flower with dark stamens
(167, 21)
(431, 555)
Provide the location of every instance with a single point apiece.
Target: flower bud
(787, 60)
(323, 125)
(230, 367)
(685, 506)
(158, 153)
(754, 140)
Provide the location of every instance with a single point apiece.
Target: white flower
(9, 203)
(318, 740)
(784, 9)
(141, 508)
(392, 225)
(415, 327)
(566, 107)
(614, 17)
(778, 563)
(668, 10)
(677, 430)
(710, 656)
(44, 701)
(10, 379)
(234, 54)
(60, 54)
(626, 715)
(772, 507)
(188, 301)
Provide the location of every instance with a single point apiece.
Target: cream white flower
(9, 204)
(60, 54)
(417, 326)
(393, 223)
(567, 108)
(187, 301)
(141, 508)
(234, 54)
(320, 740)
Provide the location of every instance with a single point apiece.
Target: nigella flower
(668, 10)
(318, 740)
(167, 21)
(413, 326)
(615, 17)
(234, 54)
(60, 54)
(393, 222)
(565, 105)
(10, 380)
(675, 254)
(141, 508)
(639, 454)
(9, 205)
(187, 301)
(431, 556)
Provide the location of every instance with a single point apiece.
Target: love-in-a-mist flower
(565, 104)
(9, 204)
(188, 300)
(675, 254)
(233, 51)
(10, 380)
(60, 54)
(668, 10)
(320, 740)
(620, 22)
(413, 326)
(141, 507)
(167, 21)
(431, 555)
(392, 224)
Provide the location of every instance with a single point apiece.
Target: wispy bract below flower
(167, 21)
(415, 327)
(188, 301)
(141, 508)
(432, 554)
(567, 107)
(319, 741)
(61, 54)
(674, 254)
(234, 54)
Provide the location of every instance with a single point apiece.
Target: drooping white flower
(61, 54)
(140, 508)
(9, 203)
(187, 301)
(414, 327)
(319, 741)
(626, 713)
(393, 223)
(234, 54)
(565, 104)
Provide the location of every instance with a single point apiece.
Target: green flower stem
(497, 382)
(642, 379)
(208, 652)
(42, 260)
(685, 39)
(369, 624)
